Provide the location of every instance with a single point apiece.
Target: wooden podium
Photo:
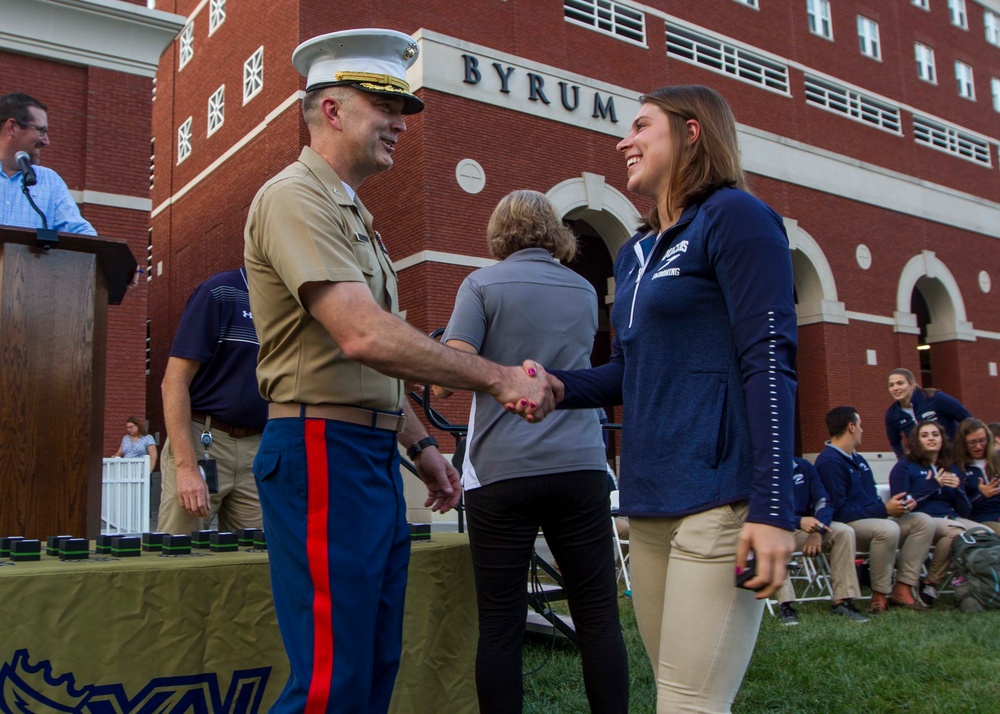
(53, 345)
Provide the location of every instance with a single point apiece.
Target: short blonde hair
(527, 219)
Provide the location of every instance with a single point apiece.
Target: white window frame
(253, 74)
(926, 69)
(951, 140)
(991, 20)
(216, 109)
(726, 58)
(216, 15)
(184, 140)
(820, 22)
(868, 37)
(857, 106)
(995, 91)
(608, 17)
(966, 80)
(922, 4)
(186, 51)
(749, 3)
(958, 14)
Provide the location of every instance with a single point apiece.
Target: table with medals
(197, 632)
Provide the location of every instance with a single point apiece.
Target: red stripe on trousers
(317, 518)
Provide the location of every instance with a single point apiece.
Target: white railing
(125, 496)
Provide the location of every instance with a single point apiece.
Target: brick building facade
(93, 64)
(882, 158)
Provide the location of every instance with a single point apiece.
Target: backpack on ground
(976, 557)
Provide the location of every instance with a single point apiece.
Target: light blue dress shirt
(50, 194)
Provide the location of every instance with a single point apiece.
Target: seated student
(848, 480)
(927, 474)
(912, 403)
(977, 456)
(818, 532)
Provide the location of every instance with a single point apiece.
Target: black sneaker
(788, 615)
(847, 609)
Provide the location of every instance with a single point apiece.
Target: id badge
(210, 473)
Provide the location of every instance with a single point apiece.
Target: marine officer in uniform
(333, 358)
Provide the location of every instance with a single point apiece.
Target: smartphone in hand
(749, 573)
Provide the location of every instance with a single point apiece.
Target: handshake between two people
(528, 391)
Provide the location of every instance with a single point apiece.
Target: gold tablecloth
(155, 633)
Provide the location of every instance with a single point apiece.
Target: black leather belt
(237, 432)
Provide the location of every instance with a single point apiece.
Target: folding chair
(621, 557)
(810, 579)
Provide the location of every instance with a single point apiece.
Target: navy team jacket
(932, 498)
(983, 509)
(942, 408)
(703, 361)
(851, 485)
(810, 497)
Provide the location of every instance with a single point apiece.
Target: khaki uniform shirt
(303, 227)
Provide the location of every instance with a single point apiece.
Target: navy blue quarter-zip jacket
(851, 485)
(810, 497)
(983, 509)
(940, 407)
(932, 498)
(703, 362)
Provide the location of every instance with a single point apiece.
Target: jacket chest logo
(662, 269)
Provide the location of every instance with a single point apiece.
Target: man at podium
(24, 130)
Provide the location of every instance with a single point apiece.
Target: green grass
(933, 662)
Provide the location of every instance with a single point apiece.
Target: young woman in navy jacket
(977, 456)
(912, 404)
(929, 476)
(703, 363)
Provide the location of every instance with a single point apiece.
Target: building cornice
(110, 34)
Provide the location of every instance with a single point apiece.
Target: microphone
(24, 162)
(46, 237)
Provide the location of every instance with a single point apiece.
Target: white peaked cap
(371, 59)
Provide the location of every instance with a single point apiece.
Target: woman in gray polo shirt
(519, 476)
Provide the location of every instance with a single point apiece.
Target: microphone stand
(47, 238)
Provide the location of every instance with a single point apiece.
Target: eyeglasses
(42, 130)
(977, 442)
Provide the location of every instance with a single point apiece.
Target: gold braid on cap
(378, 82)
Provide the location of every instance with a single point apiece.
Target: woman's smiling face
(900, 388)
(649, 152)
(930, 438)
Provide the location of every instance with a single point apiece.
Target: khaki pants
(992, 525)
(236, 504)
(901, 542)
(838, 542)
(698, 628)
(945, 530)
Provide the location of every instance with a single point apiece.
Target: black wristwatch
(414, 450)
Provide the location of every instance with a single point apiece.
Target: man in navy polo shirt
(211, 406)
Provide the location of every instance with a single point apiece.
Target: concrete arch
(815, 287)
(943, 296)
(604, 207)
